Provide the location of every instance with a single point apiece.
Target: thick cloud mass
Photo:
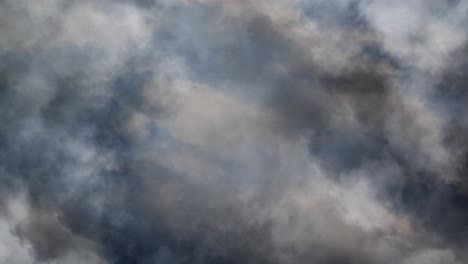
(209, 131)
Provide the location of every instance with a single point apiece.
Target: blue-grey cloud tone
(209, 131)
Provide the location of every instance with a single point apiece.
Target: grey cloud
(232, 132)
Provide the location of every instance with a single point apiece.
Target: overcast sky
(233, 132)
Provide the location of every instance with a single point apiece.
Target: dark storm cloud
(232, 132)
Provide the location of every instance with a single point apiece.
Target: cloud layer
(208, 131)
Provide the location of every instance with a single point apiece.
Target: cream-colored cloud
(344, 217)
(414, 127)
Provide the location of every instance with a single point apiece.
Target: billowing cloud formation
(208, 131)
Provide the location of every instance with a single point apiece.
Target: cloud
(209, 131)
(432, 256)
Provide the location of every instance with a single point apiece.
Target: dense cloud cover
(240, 131)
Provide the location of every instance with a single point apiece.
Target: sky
(233, 131)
